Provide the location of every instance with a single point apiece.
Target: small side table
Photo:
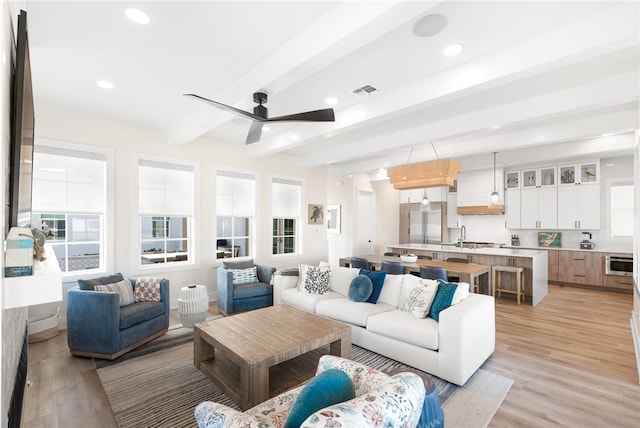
(193, 304)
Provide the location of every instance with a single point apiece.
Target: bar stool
(496, 276)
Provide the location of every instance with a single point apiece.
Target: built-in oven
(619, 265)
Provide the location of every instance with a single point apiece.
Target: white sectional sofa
(451, 349)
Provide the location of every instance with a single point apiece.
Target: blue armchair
(97, 326)
(237, 297)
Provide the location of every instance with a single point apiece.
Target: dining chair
(359, 262)
(433, 272)
(392, 268)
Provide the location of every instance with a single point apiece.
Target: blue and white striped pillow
(245, 276)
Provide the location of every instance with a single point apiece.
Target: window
(166, 212)
(69, 205)
(622, 209)
(286, 209)
(235, 214)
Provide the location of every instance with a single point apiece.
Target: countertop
(509, 252)
(595, 250)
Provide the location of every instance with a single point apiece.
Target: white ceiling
(548, 74)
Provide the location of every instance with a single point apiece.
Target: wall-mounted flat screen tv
(22, 132)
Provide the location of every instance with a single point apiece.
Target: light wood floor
(571, 359)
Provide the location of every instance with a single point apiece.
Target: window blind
(235, 194)
(68, 181)
(287, 198)
(165, 188)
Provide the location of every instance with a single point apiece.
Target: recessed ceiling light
(429, 25)
(266, 128)
(294, 137)
(137, 16)
(453, 49)
(331, 101)
(494, 127)
(104, 84)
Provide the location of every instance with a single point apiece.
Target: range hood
(481, 210)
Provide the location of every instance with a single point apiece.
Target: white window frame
(300, 223)
(612, 184)
(108, 222)
(253, 228)
(193, 225)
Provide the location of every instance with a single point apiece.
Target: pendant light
(424, 206)
(495, 196)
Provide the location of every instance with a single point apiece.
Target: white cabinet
(537, 197)
(579, 206)
(582, 173)
(454, 220)
(512, 199)
(539, 208)
(579, 196)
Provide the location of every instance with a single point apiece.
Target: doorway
(365, 226)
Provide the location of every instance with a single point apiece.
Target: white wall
(128, 140)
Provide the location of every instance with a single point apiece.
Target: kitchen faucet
(463, 234)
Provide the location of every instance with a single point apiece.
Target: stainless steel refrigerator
(425, 226)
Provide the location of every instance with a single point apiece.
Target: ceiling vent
(365, 90)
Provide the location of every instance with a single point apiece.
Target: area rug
(160, 387)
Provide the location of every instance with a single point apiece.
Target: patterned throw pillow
(123, 288)
(245, 276)
(314, 279)
(147, 290)
(419, 301)
(443, 299)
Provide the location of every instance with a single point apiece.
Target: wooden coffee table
(236, 352)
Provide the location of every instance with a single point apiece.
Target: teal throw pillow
(360, 288)
(326, 389)
(443, 299)
(377, 279)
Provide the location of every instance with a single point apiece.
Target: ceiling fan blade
(324, 115)
(227, 108)
(254, 132)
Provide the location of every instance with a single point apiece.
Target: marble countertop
(491, 251)
(595, 250)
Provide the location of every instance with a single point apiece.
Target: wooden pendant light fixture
(435, 173)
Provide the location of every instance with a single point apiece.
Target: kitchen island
(534, 262)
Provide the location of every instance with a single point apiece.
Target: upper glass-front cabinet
(539, 177)
(512, 180)
(587, 172)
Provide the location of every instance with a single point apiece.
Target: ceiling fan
(259, 115)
